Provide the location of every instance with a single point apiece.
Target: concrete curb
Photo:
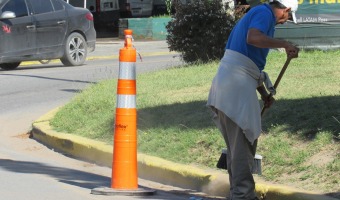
(211, 182)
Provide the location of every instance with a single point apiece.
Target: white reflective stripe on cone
(127, 70)
(126, 101)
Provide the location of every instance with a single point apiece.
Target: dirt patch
(322, 158)
(313, 177)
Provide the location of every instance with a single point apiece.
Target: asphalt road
(31, 171)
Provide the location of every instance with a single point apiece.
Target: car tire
(75, 50)
(9, 66)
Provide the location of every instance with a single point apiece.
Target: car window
(41, 6)
(57, 5)
(17, 6)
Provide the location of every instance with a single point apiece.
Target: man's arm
(260, 40)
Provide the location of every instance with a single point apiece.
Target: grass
(299, 142)
(162, 16)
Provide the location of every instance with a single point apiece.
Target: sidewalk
(209, 181)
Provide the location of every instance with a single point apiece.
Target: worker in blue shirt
(233, 97)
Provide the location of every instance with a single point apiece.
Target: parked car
(33, 30)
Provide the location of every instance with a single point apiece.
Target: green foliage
(199, 30)
(168, 4)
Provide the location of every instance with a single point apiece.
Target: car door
(17, 35)
(50, 20)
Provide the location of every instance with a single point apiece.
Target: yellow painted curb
(113, 56)
(209, 181)
(73, 145)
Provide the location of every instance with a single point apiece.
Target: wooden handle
(278, 80)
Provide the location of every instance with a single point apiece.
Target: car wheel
(75, 50)
(9, 66)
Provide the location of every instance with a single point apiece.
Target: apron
(233, 91)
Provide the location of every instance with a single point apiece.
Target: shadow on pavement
(84, 179)
(49, 78)
(79, 178)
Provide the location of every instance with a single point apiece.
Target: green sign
(313, 11)
(318, 11)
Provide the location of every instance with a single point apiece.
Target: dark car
(33, 30)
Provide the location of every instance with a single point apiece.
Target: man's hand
(291, 50)
(267, 100)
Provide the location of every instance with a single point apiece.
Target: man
(233, 97)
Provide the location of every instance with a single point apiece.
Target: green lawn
(300, 143)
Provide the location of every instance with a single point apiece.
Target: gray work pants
(240, 158)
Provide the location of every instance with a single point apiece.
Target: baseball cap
(293, 4)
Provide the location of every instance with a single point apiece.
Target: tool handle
(276, 84)
(282, 72)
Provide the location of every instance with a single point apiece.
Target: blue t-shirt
(260, 17)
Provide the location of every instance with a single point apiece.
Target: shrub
(199, 30)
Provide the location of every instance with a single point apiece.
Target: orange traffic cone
(124, 163)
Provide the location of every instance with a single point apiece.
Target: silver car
(37, 30)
